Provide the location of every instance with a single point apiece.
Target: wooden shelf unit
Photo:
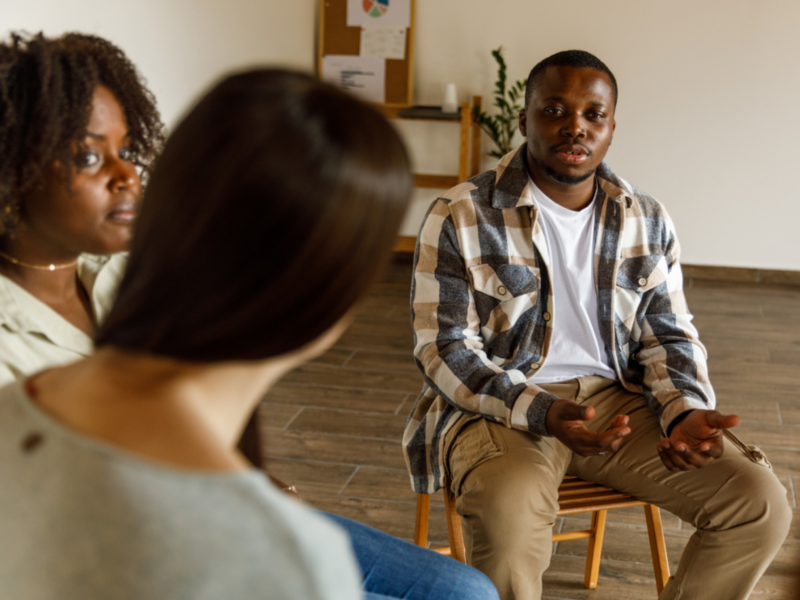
(469, 154)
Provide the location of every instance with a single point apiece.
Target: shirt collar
(512, 187)
(545, 201)
(20, 311)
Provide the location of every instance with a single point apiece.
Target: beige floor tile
(308, 476)
(379, 335)
(334, 357)
(763, 411)
(384, 484)
(617, 581)
(625, 543)
(370, 360)
(790, 411)
(721, 355)
(276, 416)
(787, 483)
(763, 434)
(380, 381)
(794, 531)
(333, 448)
(786, 375)
(395, 518)
(784, 461)
(350, 422)
(327, 397)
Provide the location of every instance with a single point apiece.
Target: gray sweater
(81, 519)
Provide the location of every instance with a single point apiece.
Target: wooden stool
(574, 496)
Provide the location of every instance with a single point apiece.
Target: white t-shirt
(576, 348)
(80, 518)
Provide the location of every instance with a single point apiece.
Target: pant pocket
(473, 445)
(753, 452)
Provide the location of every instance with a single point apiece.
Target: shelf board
(428, 113)
(405, 244)
(419, 113)
(443, 182)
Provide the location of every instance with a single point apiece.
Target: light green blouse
(34, 337)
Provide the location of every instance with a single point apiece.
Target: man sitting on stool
(554, 337)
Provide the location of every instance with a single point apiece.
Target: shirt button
(502, 290)
(534, 366)
(642, 281)
(546, 316)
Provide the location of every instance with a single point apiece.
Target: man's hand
(695, 441)
(564, 421)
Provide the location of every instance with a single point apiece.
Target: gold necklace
(50, 267)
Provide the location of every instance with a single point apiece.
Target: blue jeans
(392, 568)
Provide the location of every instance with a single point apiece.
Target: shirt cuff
(677, 407)
(530, 410)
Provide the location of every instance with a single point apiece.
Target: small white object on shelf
(450, 104)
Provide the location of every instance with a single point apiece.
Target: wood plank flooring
(333, 427)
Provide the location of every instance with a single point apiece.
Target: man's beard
(560, 177)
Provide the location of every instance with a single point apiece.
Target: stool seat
(575, 495)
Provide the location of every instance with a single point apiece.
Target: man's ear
(523, 122)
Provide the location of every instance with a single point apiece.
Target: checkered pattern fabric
(483, 311)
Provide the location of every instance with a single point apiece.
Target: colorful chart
(376, 8)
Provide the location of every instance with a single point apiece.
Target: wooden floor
(333, 427)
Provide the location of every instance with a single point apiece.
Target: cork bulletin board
(336, 38)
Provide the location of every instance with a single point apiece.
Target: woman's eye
(84, 160)
(126, 154)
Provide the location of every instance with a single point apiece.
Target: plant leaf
(502, 126)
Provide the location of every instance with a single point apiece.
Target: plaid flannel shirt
(482, 309)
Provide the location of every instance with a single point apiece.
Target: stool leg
(595, 549)
(454, 532)
(658, 547)
(421, 522)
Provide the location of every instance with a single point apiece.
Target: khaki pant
(505, 483)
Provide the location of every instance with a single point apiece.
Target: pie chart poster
(378, 13)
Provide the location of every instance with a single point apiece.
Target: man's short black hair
(577, 59)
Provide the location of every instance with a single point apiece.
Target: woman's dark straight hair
(273, 205)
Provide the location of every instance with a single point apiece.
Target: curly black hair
(46, 89)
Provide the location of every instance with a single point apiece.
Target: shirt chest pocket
(641, 274)
(636, 277)
(503, 294)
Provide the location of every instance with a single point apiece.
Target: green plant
(501, 127)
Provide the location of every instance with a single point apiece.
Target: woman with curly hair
(78, 130)
(276, 201)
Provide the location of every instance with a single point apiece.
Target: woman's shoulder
(270, 540)
(319, 549)
(207, 534)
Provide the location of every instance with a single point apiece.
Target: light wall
(706, 120)
(181, 46)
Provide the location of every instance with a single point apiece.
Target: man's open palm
(695, 441)
(565, 422)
